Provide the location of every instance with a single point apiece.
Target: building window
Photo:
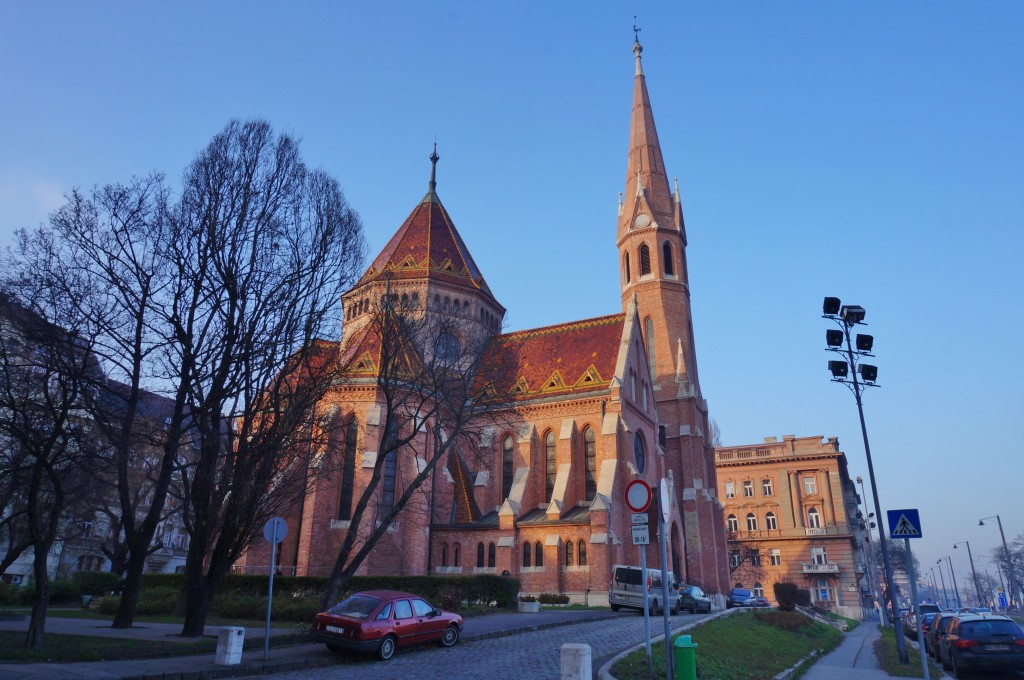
(387, 499)
(666, 253)
(810, 486)
(552, 465)
(662, 437)
(444, 554)
(490, 555)
(626, 259)
(819, 556)
(457, 561)
(649, 336)
(813, 518)
(581, 553)
(758, 590)
(645, 260)
(766, 487)
(480, 555)
(775, 557)
(570, 547)
(751, 522)
(639, 450)
(771, 522)
(730, 490)
(748, 489)
(590, 462)
(735, 559)
(527, 553)
(732, 523)
(754, 555)
(823, 590)
(538, 554)
(348, 470)
(507, 469)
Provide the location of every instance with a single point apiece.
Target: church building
(595, 404)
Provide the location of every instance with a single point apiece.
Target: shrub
(108, 604)
(786, 620)
(553, 598)
(157, 601)
(803, 597)
(8, 593)
(97, 582)
(61, 592)
(527, 598)
(449, 597)
(785, 595)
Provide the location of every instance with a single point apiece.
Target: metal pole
(901, 644)
(977, 588)
(1014, 588)
(647, 613)
(270, 592)
(945, 595)
(917, 609)
(956, 588)
(872, 570)
(665, 605)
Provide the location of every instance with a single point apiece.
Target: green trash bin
(684, 653)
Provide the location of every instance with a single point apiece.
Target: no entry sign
(638, 495)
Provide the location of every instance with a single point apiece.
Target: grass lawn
(747, 645)
(889, 660)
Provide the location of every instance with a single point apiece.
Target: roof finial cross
(636, 30)
(433, 168)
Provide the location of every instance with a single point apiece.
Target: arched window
(751, 522)
(447, 304)
(590, 462)
(758, 590)
(444, 554)
(813, 519)
(490, 555)
(465, 309)
(666, 253)
(732, 523)
(507, 469)
(527, 552)
(640, 451)
(770, 522)
(348, 470)
(645, 260)
(626, 260)
(551, 461)
(405, 301)
(632, 385)
(389, 481)
(414, 301)
(649, 336)
(581, 553)
(823, 590)
(662, 436)
(570, 549)
(457, 561)
(437, 302)
(480, 554)
(538, 555)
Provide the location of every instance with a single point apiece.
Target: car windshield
(980, 629)
(355, 606)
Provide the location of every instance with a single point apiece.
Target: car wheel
(708, 610)
(386, 649)
(450, 636)
(615, 607)
(958, 671)
(942, 660)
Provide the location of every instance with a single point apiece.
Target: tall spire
(432, 187)
(645, 171)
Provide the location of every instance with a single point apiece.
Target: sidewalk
(855, 658)
(281, 660)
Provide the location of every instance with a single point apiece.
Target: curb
(605, 672)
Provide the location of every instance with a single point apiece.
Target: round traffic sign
(638, 495)
(275, 529)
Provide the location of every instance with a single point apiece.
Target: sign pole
(917, 608)
(647, 607)
(666, 607)
(270, 590)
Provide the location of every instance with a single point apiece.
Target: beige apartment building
(791, 515)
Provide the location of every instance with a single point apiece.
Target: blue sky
(871, 151)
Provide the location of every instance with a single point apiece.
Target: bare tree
(746, 562)
(1011, 562)
(45, 374)
(440, 382)
(261, 249)
(716, 434)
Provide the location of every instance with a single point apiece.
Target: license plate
(998, 648)
(335, 629)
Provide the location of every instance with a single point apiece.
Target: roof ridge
(567, 325)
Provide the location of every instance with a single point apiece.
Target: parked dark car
(975, 641)
(740, 597)
(761, 602)
(693, 599)
(936, 630)
(379, 621)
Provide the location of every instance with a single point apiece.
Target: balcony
(815, 531)
(816, 568)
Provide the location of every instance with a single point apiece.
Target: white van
(627, 589)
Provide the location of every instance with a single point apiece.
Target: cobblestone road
(522, 656)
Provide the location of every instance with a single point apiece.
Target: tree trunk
(125, 616)
(40, 600)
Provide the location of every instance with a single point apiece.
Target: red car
(379, 621)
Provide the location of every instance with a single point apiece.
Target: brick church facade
(596, 403)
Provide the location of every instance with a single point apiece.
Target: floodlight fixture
(834, 338)
(831, 306)
(869, 372)
(865, 342)
(852, 314)
(839, 368)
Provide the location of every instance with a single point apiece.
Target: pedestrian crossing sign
(904, 523)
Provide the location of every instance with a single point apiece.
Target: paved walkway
(855, 658)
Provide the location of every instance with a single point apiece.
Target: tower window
(627, 267)
(666, 251)
(645, 260)
(551, 461)
(348, 470)
(506, 467)
(590, 460)
(649, 333)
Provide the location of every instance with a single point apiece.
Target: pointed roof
(428, 245)
(646, 181)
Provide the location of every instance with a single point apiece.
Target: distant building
(597, 403)
(791, 515)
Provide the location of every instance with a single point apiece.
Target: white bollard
(576, 661)
(229, 646)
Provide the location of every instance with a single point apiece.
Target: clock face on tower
(641, 221)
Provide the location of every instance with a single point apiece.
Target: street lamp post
(846, 317)
(945, 595)
(1014, 587)
(956, 588)
(977, 588)
(867, 524)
